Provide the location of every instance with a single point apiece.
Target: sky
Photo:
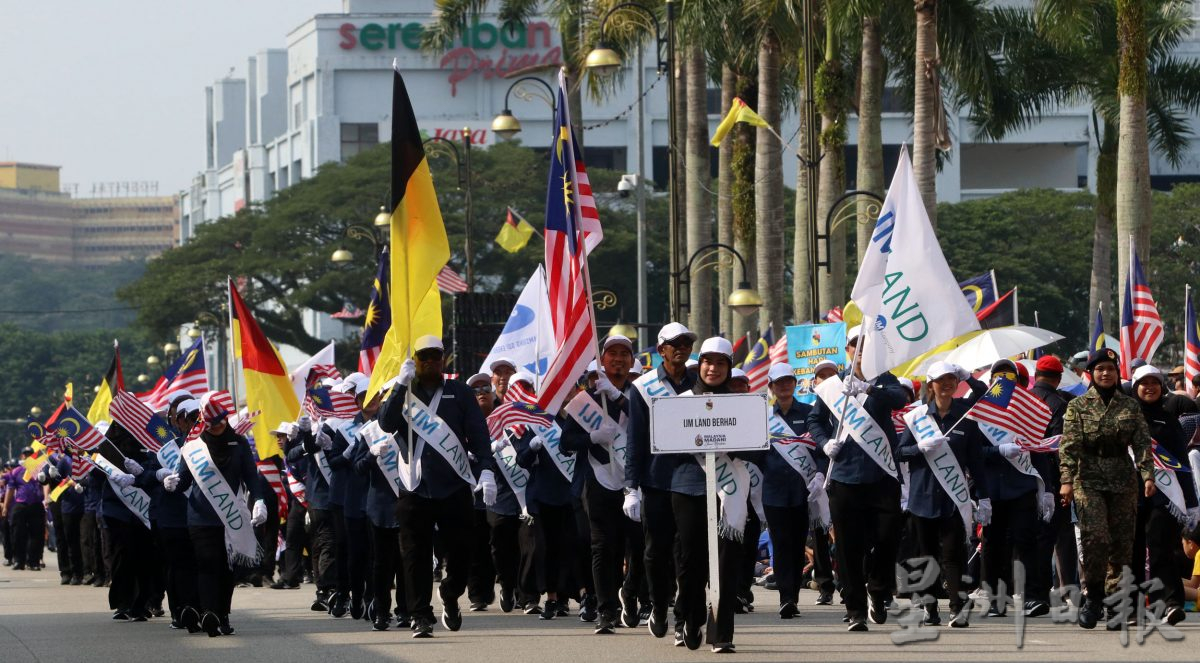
(113, 90)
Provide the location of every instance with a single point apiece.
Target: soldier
(1099, 429)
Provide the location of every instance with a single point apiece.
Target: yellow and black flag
(113, 381)
(419, 246)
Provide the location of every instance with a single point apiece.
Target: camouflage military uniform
(1095, 458)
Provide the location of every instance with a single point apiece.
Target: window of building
(358, 138)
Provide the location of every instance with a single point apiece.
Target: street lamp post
(506, 125)
(744, 300)
(358, 232)
(604, 60)
(440, 144)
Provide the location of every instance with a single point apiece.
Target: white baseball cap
(358, 383)
(616, 339)
(501, 361)
(691, 363)
(674, 330)
(717, 345)
(428, 342)
(780, 370)
(941, 369)
(739, 374)
(593, 366)
(853, 333)
(479, 378)
(1148, 371)
(825, 363)
(283, 428)
(187, 406)
(523, 376)
(636, 368)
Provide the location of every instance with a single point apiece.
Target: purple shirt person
(24, 492)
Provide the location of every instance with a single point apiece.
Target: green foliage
(33, 295)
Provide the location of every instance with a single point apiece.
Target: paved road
(41, 620)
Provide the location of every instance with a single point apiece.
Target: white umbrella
(998, 343)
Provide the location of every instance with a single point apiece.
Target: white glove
(1193, 517)
(606, 387)
(53, 472)
(259, 515)
(605, 434)
(832, 448)
(1047, 503)
(537, 443)
(498, 445)
(294, 429)
(961, 373)
(171, 482)
(633, 506)
(133, 467)
(324, 441)
(983, 512)
(161, 474)
(1009, 450)
(79, 488)
(303, 423)
(854, 386)
(122, 479)
(408, 371)
(487, 481)
(932, 444)
(816, 484)
(378, 448)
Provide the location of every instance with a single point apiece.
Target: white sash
(389, 460)
(168, 455)
(1194, 461)
(516, 476)
(1022, 462)
(756, 488)
(943, 463)
(591, 417)
(433, 430)
(651, 387)
(858, 423)
(323, 466)
(733, 494)
(799, 458)
(1168, 483)
(552, 436)
(135, 499)
(241, 547)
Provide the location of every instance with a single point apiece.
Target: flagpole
(232, 366)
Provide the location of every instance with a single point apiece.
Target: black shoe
(403, 620)
(629, 615)
(87, 579)
(506, 600)
(550, 611)
(18, 567)
(451, 616)
(723, 648)
(587, 608)
(421, 628)
(76, 580)
(138, 616)
(190, 619)
(931, 618)
(226, 628)
(478, 606)
(532, 608)
(1090, 614)
(66, 580)
(1174, 615)
(1036, 609)
(824, 598)
(380, 623)
(788, 611)
(211, 624)
(320, 603)
(605, 626)
(878, 610)
(563, 608)
(356, 607)
(679, 640)
(121, 616)
(692, 635)
(857, 626)
(658, 623)
(961, 619)
(176, 626)
(157, 611)
(338, 606)
(100, 581)
(643, 613)
(993, 611)
(283, 585)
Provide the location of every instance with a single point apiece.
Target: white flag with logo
(911, 303)
(527, 338)
(300, 375)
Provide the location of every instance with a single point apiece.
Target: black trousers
(691, 569)
(554, 531)
(323, 546)
(1054, 547)
(214, 578)
(60, 539)
(358, 557)
(418, 516)
(945, 540)
(28, 523)
(609, 542)
(635, 585)
(867, 520)
(387, 566)
(341, 550)
(481, 581)
(295, 541)
(514, 548)
(822, 561)
(268, 537)
(1010, 538)
(658, 526)
(749, 557)
(70, 532)
(578, 551)
(1155, 541)
(789, 534)
(90, 545)
(6, 537)
(175, 547)
(133, 558)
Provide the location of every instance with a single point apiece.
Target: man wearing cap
(1099, 430)
(822, 550)
(864, 500)
(1176, 401)
(604, 488)
(26, 517)
(501, 370)
(295, 534)
(169, 510)
(451, 425)
(481, 581)
(648, 477)
(790, 477)
(308, 452)
(354, 547)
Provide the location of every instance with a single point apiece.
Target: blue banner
(808, 345)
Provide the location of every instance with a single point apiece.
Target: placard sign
(709, 422)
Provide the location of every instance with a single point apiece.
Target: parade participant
(1055, 539)
(219, 523)
(501, 370)
(308, 453)
(67, 511)
(1160, 517)
(440, 482)
(864, 500)
(941, 531)
(356, 549)
(739, 382)
(648, 477)
(1099, 430)
(295, 534)
(268, 532)
(170, 511)
(822, 573)
(26, 516)
(481, 581)
(5, 533)
(95, 570)
(131, 542)
(603, 461)
(511, 538)
(791, 475)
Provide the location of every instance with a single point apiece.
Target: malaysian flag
(378, 319)
(81, 465)
(222, 398)
(142, 423)
(450, 282)
(898, 418)
(270, 472)
(803, 438)
(513, 414)
(779, 351)
(1141, 326)
(1013, 409)
(73, 425)
(1191, 348)
(572, 230)
(296, 487)
(321, 403)
(834, 314)
(518, 393)
(758, 362)
(242, 425)
(186, 373)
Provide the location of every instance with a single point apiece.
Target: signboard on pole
(708, 422)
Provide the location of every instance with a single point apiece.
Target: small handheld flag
(149, 429)
(514, 233)
(1013, 409)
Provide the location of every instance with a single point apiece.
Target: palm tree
(1133, 148)
(869, 172)
(833, 90)
(699, 214)
(928, 113)
(726, 278)
(768, 185)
